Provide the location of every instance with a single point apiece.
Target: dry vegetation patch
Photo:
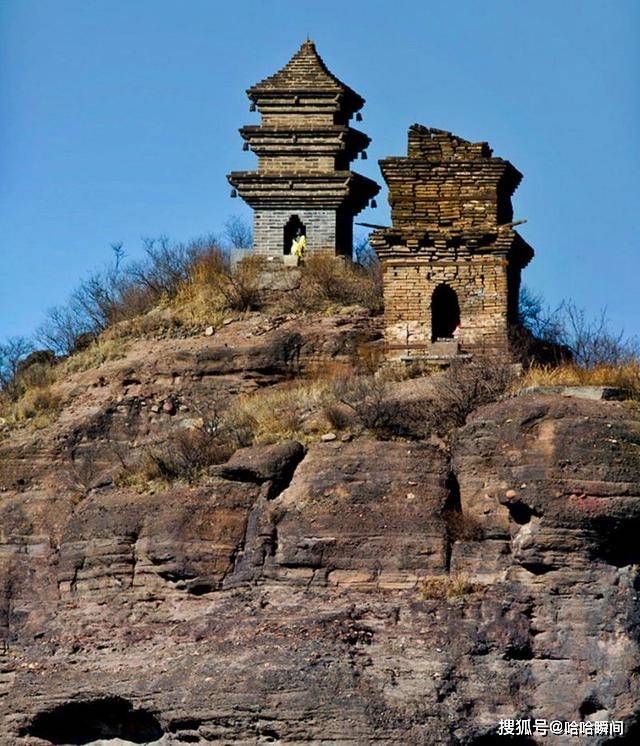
(625, 376)
(294, 410)
(449, 587)
(327, 281)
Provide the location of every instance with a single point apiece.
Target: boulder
(272, 465)
(365, 506)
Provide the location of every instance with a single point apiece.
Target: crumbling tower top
(446, 190)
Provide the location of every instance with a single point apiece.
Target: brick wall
(296, 163)
(304, 118)
(480, 283)
(268, 230)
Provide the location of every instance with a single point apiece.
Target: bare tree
(363, 252)
(12, 354)
(591, 341)
(540, 319)
(238, 233)
(61, 329)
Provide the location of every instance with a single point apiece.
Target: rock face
(112, 410)
(555, 485)
(347, 592)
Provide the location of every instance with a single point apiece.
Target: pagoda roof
(306, 71)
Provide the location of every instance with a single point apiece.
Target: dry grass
(196, 306)
(327, 282)
(210, 289)
(625, 376)
(99, 352)
(448, 587)
(295, 410)
(39, 406)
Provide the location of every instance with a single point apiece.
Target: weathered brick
(452, 233)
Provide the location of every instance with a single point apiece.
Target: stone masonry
(451, 261)
(304, 146)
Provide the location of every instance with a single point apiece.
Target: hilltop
(253, 531)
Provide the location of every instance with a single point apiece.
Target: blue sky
(119, 119)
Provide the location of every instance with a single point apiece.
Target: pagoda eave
(426, 243)
(333, 190)
(521, 250)
(303, 97)
(273, 140)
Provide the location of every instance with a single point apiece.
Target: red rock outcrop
(307, 594)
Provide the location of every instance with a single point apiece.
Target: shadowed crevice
(84, 722)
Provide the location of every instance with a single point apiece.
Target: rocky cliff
(339, 591)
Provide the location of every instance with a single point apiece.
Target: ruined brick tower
(304, 146)
(451, 261)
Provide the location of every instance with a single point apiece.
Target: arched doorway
(292, 229)
(445, 312)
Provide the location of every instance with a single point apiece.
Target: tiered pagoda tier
(451, 260)
(304, 146)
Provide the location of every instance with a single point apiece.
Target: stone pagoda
(304, 145)
(452, 260)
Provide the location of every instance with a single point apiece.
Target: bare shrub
(338, 415)
(455, 394)
(185, 455)
(368, 397)
(239, 428)
(363, 252)
(465, 386)
(120, 293)
(25, 383)
(241, 288)
(367, 259)
(541, 320)
(38, 369)
(165, 267)
(376, 408)
(208, 264)
(39, 404)
(592, 341)
(60, 329)
(326, 279)
(328, 276)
